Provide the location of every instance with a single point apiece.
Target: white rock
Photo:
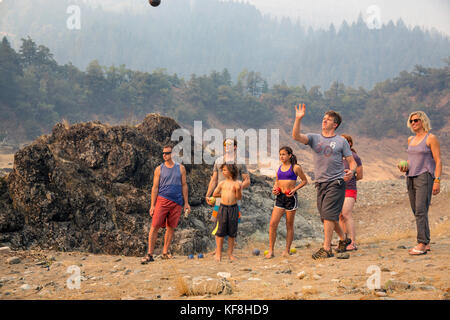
(301, 275)
(254, 279)
(317, 277)
(25, 287)
(225, 275)
(5, 249)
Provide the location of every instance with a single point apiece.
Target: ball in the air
(256, 252)
(200, 256)
(154, 3)
(191, 256)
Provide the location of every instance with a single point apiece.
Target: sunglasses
(414, 120)
(166, 153)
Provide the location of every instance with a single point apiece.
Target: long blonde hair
(426, 123)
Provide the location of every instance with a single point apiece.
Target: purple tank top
(420, 159)
(286, 175)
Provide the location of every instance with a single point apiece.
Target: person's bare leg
(168, 239)
(328, 227)
(152, 236)
(348, 218)
(290, 217)
(219, 245)
(231, 242)
(277, 213)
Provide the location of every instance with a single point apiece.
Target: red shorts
(167, 213)
(351, 193)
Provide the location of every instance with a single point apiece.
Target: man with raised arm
(330, 175)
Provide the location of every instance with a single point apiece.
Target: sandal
(351, 247)
(322, 253)
(416, 252)
(148, 258)
(342, 246)
(166, 256)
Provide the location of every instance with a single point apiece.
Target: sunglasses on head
(414, 120)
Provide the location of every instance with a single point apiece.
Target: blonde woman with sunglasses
(423, 172)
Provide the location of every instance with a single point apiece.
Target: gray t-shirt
(328, 154)
(242, 169)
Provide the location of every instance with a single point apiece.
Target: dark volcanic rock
(88, 186)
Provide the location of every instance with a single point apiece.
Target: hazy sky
(320, 13)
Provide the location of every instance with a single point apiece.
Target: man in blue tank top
(169, 194)
(330, 174)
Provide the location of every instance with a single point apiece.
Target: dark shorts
(330, 199)
(288, 203)
(227, 221)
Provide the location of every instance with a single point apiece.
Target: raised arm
(299, 114)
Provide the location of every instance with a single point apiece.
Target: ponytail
(293, 157)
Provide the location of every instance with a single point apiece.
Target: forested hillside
(199, 36)
(36, 92)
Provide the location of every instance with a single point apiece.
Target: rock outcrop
(87, 187)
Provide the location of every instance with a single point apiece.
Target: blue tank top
(170, 184)
(286, 175)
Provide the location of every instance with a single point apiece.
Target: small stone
(25, 287)
(301, 275)
(402, 247)
(317, 277)
(427, 288)
(343, 255)
(335, 280)
(5, 249)
(380, 294)
(384, 269)
(394, 285)
(225, 275)
(13, 260)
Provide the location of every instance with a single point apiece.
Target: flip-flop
(417, 252)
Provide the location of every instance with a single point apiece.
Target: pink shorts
(167, 213)
(351, 193)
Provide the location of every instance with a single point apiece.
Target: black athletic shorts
(227, 220)
(288, 203)
(330, 199)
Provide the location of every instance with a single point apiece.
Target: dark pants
(420, 189)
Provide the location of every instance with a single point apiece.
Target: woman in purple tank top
(423, 173)
(285, 188)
